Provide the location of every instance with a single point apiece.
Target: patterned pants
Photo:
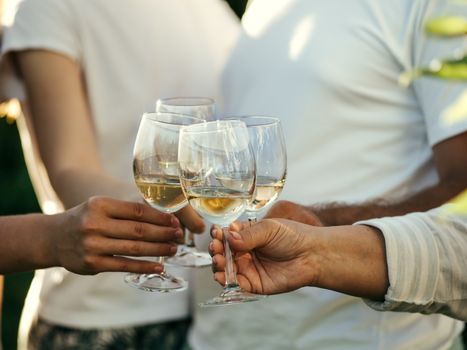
(163, 336)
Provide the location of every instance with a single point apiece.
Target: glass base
(232, 295)
(163, 283)
(189, 257)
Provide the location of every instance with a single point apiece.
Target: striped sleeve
(427, 262)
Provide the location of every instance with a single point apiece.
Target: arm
(64, 128)
(450, 160)
(412, 263)
(89, 238)
(277, 256)
(66, 135)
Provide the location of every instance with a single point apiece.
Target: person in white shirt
(359, 146)
(91, 68)
(411, 263)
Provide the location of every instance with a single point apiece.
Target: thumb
(249, 238)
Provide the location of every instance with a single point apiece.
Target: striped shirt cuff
(413, 263)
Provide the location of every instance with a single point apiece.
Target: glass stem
(230, 275)
(161, 261)
(189, 239)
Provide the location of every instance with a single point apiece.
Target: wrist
(354, 261)
(315, 264)
(47, 254)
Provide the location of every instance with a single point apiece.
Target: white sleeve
(43, 24)
(438, 98)
(427, 262)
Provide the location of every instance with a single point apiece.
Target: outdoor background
(17, 197)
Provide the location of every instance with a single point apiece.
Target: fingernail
(174, 221)
(235, 235)
(158, 268)
(173, 249)
(214, 262)
(212, 232)
(211, 246)
(179, 233)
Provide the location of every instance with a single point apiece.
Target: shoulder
(43, 24)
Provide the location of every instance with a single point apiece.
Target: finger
(216, 247)
(129, 247)
(121, 264)
(191, 220)
(218, 263)
(137, 230)
(216, 232)
(240, 225)
(132, 211)
(244, 283)
(250, 237)
(219, 277)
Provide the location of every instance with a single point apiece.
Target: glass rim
(203, 101)
(153, 117)
(195, 128)
(270, 120)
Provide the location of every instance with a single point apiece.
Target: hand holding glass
(156, 174)
(217, 174)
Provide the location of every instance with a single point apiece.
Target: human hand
(191, 220)
(292, 211)
(272, 256)
(94, 236)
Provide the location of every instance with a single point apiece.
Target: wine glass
(218, 174)
(156, 173)
(268, 144)
(199, 107)
(203, 108)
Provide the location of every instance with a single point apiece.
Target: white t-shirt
(329, 69)
(132, 52)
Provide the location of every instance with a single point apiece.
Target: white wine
(266, 192)
(163, 194)
(218, 205)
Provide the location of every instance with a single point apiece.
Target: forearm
(74, 186)
(26, 242)
(335, 214)
(352, 260)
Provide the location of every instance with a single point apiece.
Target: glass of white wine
(203, 108)
(268, 144)
(218, 174)
(156, 173)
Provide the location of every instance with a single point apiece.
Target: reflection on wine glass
(156, 173)
(218, 174)
(268, 144)
(203, 108)
(199, 107)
